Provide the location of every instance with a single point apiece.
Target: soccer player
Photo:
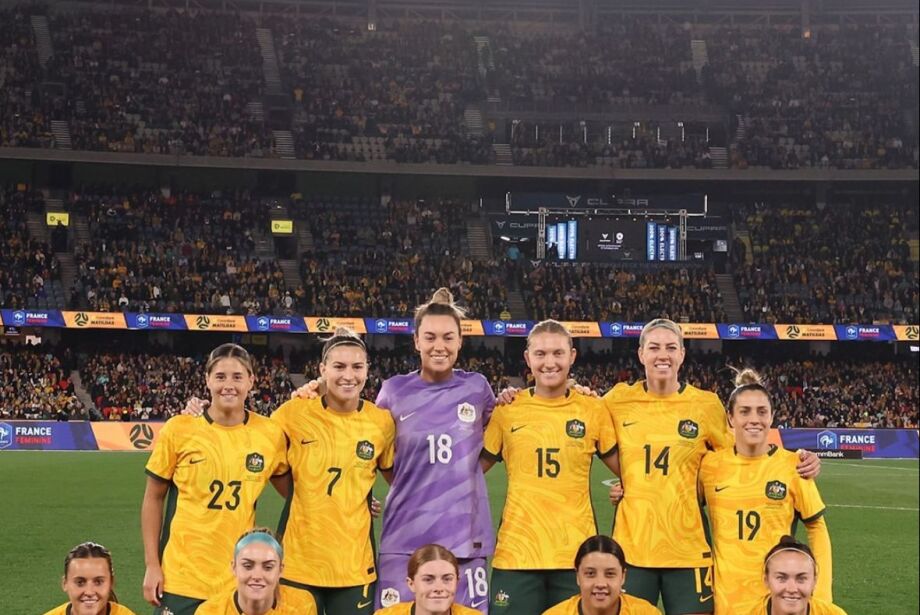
(600, 569)
(440, 415)
(791, 575)
(664, 427)
(89, 582)
(754, 496)
(547, 437)
(433, 575)
(258, 562)
(207, 473)
(338, 442)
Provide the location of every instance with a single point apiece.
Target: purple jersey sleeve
(438, 494)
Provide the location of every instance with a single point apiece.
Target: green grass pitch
(52, 501)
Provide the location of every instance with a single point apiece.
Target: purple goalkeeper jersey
(438, 493)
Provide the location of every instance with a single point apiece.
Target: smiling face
(791, 579)
(257, 568)
(751, 417)
(662, 354)
(438, 343)
(88, 585)
(229, 382)
(550, 357)
(434, 586)
(345, 372)
(600, 578)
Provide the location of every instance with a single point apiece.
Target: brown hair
(343, 336)
(746, 380)
(229, 351)
(431, 553)
(440, 304)
(789, 543)
(661, 323)
(549, 326)
(90, 550)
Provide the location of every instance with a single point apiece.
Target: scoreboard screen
(612, 239)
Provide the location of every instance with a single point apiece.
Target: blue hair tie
(263, 537)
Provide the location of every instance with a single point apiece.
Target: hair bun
(747, 377)
(442, 295)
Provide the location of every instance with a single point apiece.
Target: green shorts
(682, 590)
(526, 592)
(358, 600)
(177, 605)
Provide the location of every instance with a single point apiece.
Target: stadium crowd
(400, 92)
(844, 263)
(36, 385)
(600, 292)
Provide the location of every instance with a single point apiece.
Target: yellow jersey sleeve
(60, 610)
(493, 436)
(216, 474)
(385, 462)
(162, 461)
(629, 605)
(566, 607)
(548, 446)
(290, 602)
(326, 524)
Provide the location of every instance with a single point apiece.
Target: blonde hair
(661, 323)
(343, 336)
(549, 326)
(440, 304)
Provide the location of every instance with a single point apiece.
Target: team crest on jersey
(688, 429)
(389, 597)
(255, 462)
(776, 490)
(365, 450)
(575, 429)
(502, 598)
(466, 412)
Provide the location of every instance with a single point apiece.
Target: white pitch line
(874, 507)
(871, 467)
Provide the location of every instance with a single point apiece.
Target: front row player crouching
(600, 569)
(433, 576)
(89, 582)
(258, 561)
(791, 574)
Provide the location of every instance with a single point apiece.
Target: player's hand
(809, 465)
(153, 585)
(616, 493)
(311, 390)
(376, 508)
(507, 396)
(195, 406)
(582, 389)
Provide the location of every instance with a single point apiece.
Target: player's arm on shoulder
(809, 465)
(310, 390)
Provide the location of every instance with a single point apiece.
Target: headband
(343, 341)
(797, 550)
(262, 537)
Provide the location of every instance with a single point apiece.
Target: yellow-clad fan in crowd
(338, 442)
(258, 562)
(203, 480)
(432, 576)
(547, 437)
(89, 582)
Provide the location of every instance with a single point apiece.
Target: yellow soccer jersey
(334, 458)
(815, 607)
(113, 608)
(629, 605)
(548, 447)
(216, 474)
(662, 440)
(408, 608)
(752, 502)
(290, 602)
